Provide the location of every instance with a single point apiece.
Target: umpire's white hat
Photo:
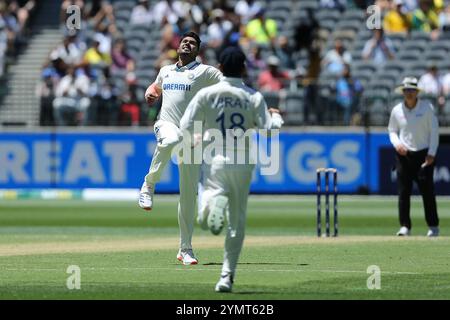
(408, 83)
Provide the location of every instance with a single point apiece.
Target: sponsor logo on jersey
(177, 87)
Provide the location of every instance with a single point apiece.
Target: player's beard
(187, 56)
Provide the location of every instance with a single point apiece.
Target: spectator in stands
(171, 10)
(3, 46)
(444, 19)
(172, 33)
(396, 20)
(22, 13)
(306, 31)
(446, 84)
(284, 52)
(129, 114)
(262, 30)
(95, 58)
(431, 82)
(100, 12)
(104, 108)
(104, 36)
(273, 79)
(141, 14)
(11, 27)
(360, 4)
(218, 29)
(69, 52)
(309, 81)
(233, 37)
(197, 13)
(383, 5)
(336, 58)
(247, 9)
(167, 57)
(348, 92)
(45, 90)
(225, 7)
(426, 19)
(438, 5)
(379, 48)
(71, 103)
(410, 5)
(57, 65)
(122, 62)
(334, 4)
(255, 63)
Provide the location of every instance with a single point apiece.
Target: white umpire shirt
(179, 86)
(416, 128)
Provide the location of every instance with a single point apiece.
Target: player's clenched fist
(150, 98)
(152, 94)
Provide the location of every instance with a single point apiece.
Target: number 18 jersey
(230, 104)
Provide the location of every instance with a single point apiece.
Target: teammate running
(229, 104)
(178, 83)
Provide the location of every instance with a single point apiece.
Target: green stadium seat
(353, 25)
(307, 4)
(327, 15)
(436, 55)
(407, 56)
(354, 15)
(414, 45)
(419, 35)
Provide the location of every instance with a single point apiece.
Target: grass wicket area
(125, 253)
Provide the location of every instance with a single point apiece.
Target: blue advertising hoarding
(388, 175)
(121, 160)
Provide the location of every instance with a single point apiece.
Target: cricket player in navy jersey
(177, 83)
(225, 106)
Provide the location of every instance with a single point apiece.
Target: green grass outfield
(126, 253)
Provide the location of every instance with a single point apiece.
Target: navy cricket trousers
(409, 170)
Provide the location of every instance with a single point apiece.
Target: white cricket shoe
(187, 257)
(146, 197)
(433, 232)
(404, 231)
(216, 217)
(225, 283)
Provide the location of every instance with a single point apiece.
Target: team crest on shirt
(190, 76)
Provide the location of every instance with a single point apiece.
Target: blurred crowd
(399, 17)
(14, 21)
(77, 86)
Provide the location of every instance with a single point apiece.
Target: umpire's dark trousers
(409, 170)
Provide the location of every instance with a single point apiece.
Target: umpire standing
(414, 132)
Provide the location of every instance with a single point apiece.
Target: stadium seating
(413, 54)
(293, 105)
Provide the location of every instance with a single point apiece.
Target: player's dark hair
(232, 60)
(192, 35)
